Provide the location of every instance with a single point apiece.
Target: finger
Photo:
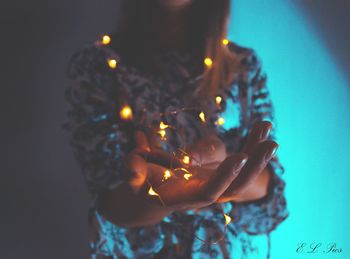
(259, 132)
(207, 150)
(142, 143)
(212, 165)
(164, 158)
(227, 171)
(135, 171)
(258, 160)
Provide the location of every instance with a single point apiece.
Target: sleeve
(99, 141)
(263, 215)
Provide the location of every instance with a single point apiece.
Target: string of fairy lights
(126, 113)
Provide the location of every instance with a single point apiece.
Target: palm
(180, 193)
(204, 186)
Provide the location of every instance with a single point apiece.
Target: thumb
(208, 150)
(142, 143)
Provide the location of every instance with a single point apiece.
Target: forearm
(125, 209)
(263, 215)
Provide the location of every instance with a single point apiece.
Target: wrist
(124, 208)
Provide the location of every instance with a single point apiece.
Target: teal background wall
(311, 96)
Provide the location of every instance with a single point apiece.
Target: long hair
(208, 25)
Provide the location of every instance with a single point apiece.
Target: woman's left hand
(253, 181)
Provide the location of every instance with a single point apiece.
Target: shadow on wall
(331, 19)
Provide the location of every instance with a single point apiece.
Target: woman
(173, 56)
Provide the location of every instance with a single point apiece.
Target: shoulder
(90, 59)
(250, 74)
(248, 57)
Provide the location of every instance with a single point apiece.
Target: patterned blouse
(100, 140)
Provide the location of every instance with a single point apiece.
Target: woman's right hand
(130, 204)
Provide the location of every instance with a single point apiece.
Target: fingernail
(271, 153)
(242, 163)
(265, 133)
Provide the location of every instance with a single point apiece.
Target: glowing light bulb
(126, 113)
(106, 40)
(163, 126)
(218, 99)
(221, 121)
(225, 41)
(208, 62)
(187, 176)
(112, 63)
(186, 159)
(162, 134)
(227, 219)
(152, 192)
(202, 116)
(182, 169)
(167, 175)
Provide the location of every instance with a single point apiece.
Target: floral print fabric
(100, 140)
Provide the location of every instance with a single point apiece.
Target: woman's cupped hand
(215, 175)
(218, 177)
(146, 167)
(211, 151)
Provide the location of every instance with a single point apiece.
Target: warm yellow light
(187, 176)
(162, 133)
(221, 121)
(218, 99)
(182, 169)
(163, 126)
(186, 159)
(126, 113)
(112, 63)
(152, 192)
(208, 62)
(227, 219)
(167, 175)
(106, 40)
(225, 41)
(202, 116)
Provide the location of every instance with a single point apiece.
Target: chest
(166, 106)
